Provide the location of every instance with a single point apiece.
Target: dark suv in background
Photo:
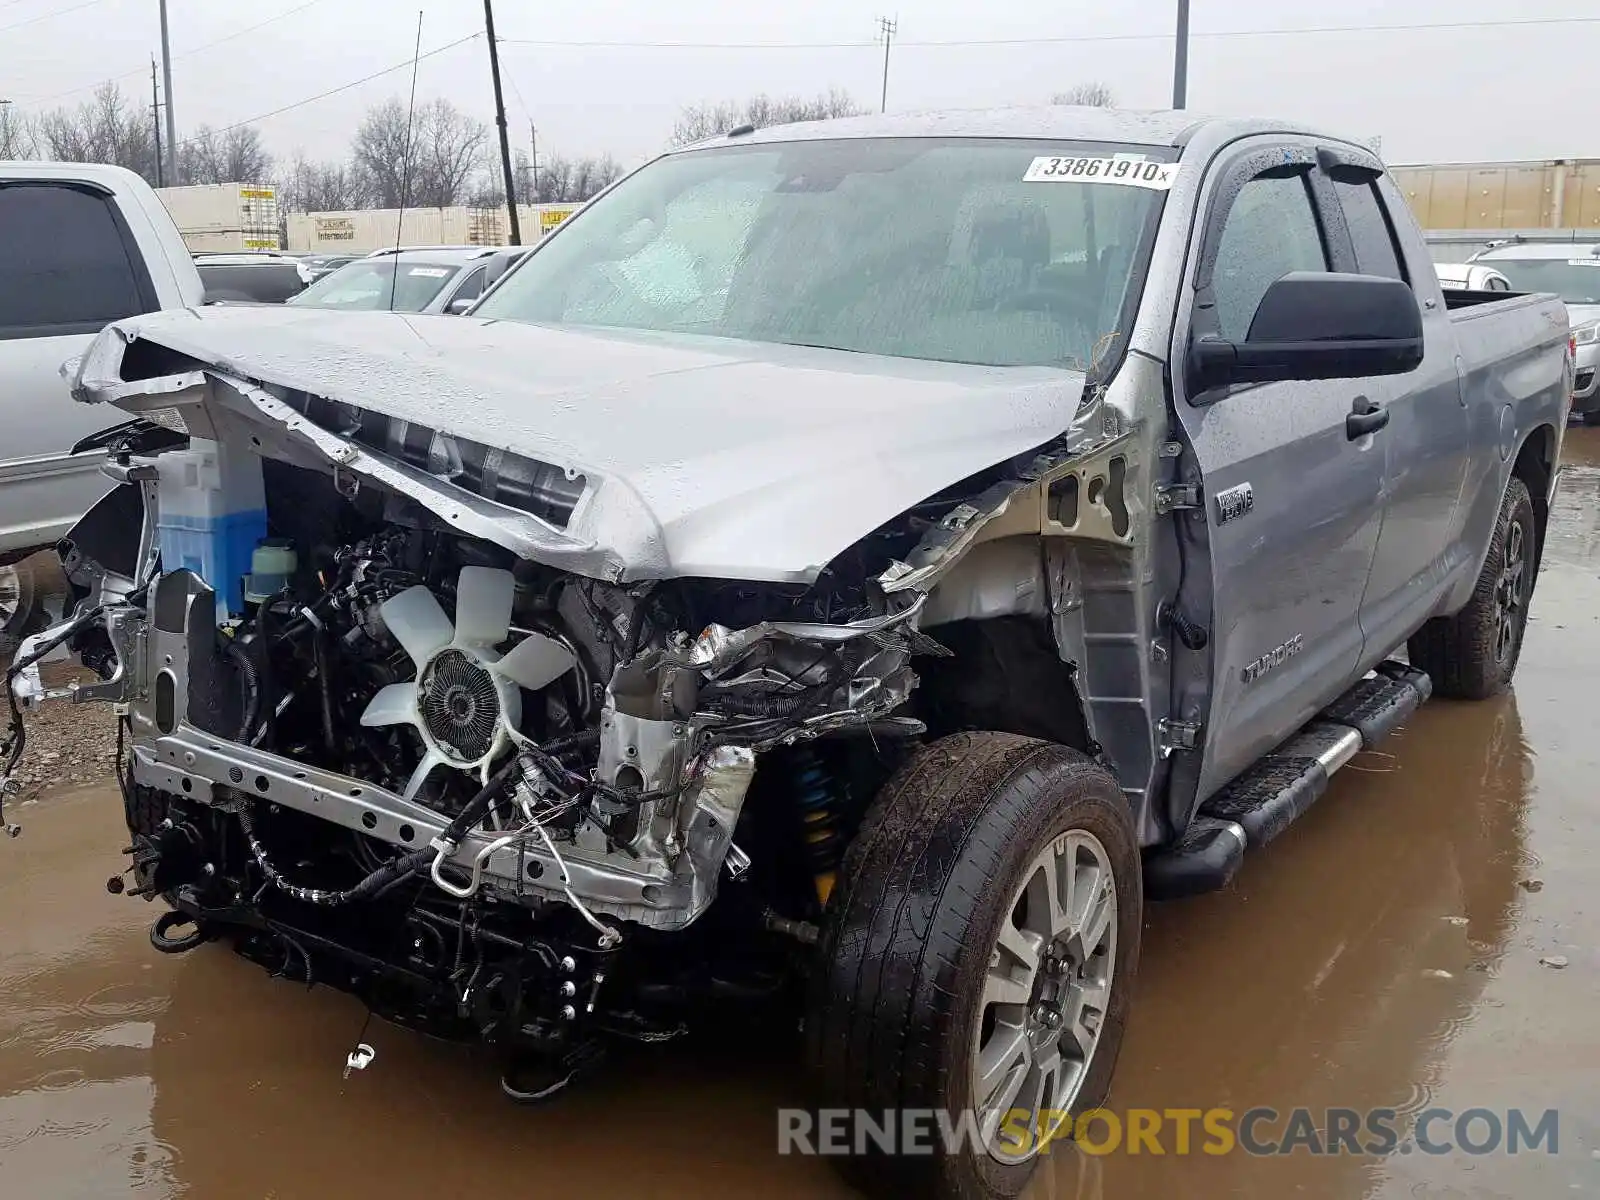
(252, 277)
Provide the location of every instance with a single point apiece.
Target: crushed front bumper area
(165, 670)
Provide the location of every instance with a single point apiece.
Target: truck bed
(1513, 344)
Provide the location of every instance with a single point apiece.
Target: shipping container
(364, 230)
(224, 216)
(1556, 194)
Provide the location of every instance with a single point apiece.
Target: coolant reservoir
(213, 513)
(272, 564)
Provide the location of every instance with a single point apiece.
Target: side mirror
(458, 307)
(498, 266)
(1317, 325)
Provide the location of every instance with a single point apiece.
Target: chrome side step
(1276, 790)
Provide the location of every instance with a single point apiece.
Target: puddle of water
(1385, 952)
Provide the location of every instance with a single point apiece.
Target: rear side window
(1370, 231)
(1270, 231)
(251, 283)
(64, 262)
(471, 289)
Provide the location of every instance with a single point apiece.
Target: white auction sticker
(1157, 176)
(429, 272)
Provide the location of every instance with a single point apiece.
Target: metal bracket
(1177, 735)
(1171, 498)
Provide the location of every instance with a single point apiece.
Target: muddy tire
(1472, 655)
(930, 943)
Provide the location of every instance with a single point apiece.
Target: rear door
(1293, 505)
(68, 266)
(1425, 442)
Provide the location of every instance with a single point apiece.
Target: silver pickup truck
(868, 558)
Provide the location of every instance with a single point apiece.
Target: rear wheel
(978, 959)
(1473, 654)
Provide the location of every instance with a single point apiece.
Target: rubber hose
(392, 872)
(160, 933)
(250, 681)
(319, 648)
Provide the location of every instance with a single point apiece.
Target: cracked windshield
(922, 249)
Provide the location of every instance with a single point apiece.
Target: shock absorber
(819, 801)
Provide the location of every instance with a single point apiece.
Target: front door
(1294, 503)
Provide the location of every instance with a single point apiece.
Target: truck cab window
(470, 289)
(1270, 231)
(1370, 231)
(63, 265)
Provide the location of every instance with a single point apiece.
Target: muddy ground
(1386, 952)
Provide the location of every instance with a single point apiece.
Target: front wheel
(978, 960)
(1472, 655)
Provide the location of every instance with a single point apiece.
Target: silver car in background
(432, 279)
(1572, 271)
(1472, 277)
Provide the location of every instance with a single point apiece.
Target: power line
(1303, 31)
(59, 12)
(343, 87)
(249, 29)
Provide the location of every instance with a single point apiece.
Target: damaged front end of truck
(442, 724)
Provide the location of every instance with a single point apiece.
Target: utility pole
(166, 81)
(1180, 59)
(888, 29)
(500, 120)
(155, 116)
(533, 142)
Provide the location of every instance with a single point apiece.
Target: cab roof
(1062, 122)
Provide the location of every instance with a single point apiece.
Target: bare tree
(1091, 95)
(709, 120)
(107, 129)
(232, 156)
(16, 134)
(380, 154)
(429, 159)
(574, 179)
(318, 187)
(449, 150)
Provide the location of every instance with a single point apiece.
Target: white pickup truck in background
(81, 245)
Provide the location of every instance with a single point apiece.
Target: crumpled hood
(722, 458)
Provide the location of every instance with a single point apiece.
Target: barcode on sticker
(1158, 176)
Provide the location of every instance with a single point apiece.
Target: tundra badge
(1272, 659)
(1234, 502)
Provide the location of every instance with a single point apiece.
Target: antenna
(405, 167)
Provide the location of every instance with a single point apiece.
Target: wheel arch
(1536, 466)
(1005, 675)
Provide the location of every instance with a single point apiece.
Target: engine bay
(482, 792)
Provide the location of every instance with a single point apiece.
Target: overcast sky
(1528, 91)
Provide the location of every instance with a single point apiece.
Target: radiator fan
(466, 698)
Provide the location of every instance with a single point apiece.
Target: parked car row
(405, 279)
